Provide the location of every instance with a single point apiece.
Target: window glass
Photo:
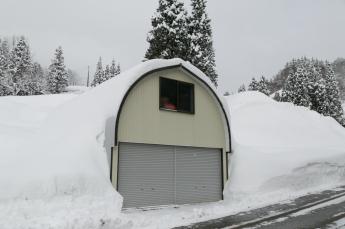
(176, 95)
(168, 94)
(185, 95)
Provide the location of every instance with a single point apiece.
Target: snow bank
(279, 145)
(40, 187)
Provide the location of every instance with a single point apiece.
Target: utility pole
(88, 76)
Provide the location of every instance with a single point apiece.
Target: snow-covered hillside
(54, 171)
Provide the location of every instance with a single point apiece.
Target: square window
(176, 95)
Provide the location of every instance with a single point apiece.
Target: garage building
(172, 138)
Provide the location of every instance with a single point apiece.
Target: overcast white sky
(251, 37)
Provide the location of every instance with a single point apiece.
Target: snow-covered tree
(37, 82)
(339, 70)
(168, 37)
(315, 82)
(57, 75)
(6, 88)
(107, 72)
(5, 49)
(332, 105)
(296, 88)
(202, 53)
(20, 66)
(277, 96)
(99, 76)
(263, 86)
(319, 96)
(114, 69)
(242, 88)
(253, 85)
(312, 83)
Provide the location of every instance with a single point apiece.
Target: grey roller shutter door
(151, 175)
(198, 175)
(146, 174)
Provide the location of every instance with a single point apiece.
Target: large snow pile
(46, 181)
(282, 146)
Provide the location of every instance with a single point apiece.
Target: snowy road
(321, 210)
(326, 215)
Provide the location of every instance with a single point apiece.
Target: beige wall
(141, 120)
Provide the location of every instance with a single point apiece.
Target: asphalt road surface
(322, 210)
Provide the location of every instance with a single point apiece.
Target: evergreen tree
(253, 85)
(277, 96)
(263, 86)
(5, 49)
(57, 76)
(37, 82)
(242, 88)
(339, 70)
(296, 88)
(311, 83)
(107, 73)
(279, 80)
(20, 66)
(316, 83)
(169, 35)
(114, 69)
(332, 105)
(319, 96)
(202, 53)
(99, 74)
(5, 83)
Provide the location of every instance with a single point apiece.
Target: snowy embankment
(44, 180)
(54, 171)
(282, 146)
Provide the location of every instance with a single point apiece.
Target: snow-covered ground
(54, 171)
